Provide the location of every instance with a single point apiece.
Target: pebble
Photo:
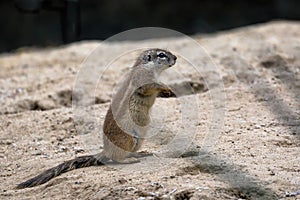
(257, 126)
(78, 149)
(130, 188)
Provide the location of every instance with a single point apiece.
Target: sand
(232, 132)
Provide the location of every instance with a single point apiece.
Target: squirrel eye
(149, 58)
(162, 55)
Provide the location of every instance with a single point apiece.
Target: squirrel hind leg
(134, 157)
(140, 154)
(129, 160)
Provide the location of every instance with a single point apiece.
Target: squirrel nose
(175, 58)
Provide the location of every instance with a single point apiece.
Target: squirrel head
(158, 59)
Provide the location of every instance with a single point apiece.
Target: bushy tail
(79, 162)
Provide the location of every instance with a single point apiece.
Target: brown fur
(127, 119)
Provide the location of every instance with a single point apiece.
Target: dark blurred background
(54, 22)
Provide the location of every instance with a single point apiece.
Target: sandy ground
(232, 132)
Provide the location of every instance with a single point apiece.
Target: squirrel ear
(147, 58)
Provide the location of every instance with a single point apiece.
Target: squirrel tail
(79, 162)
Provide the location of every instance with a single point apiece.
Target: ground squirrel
(127, 118)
